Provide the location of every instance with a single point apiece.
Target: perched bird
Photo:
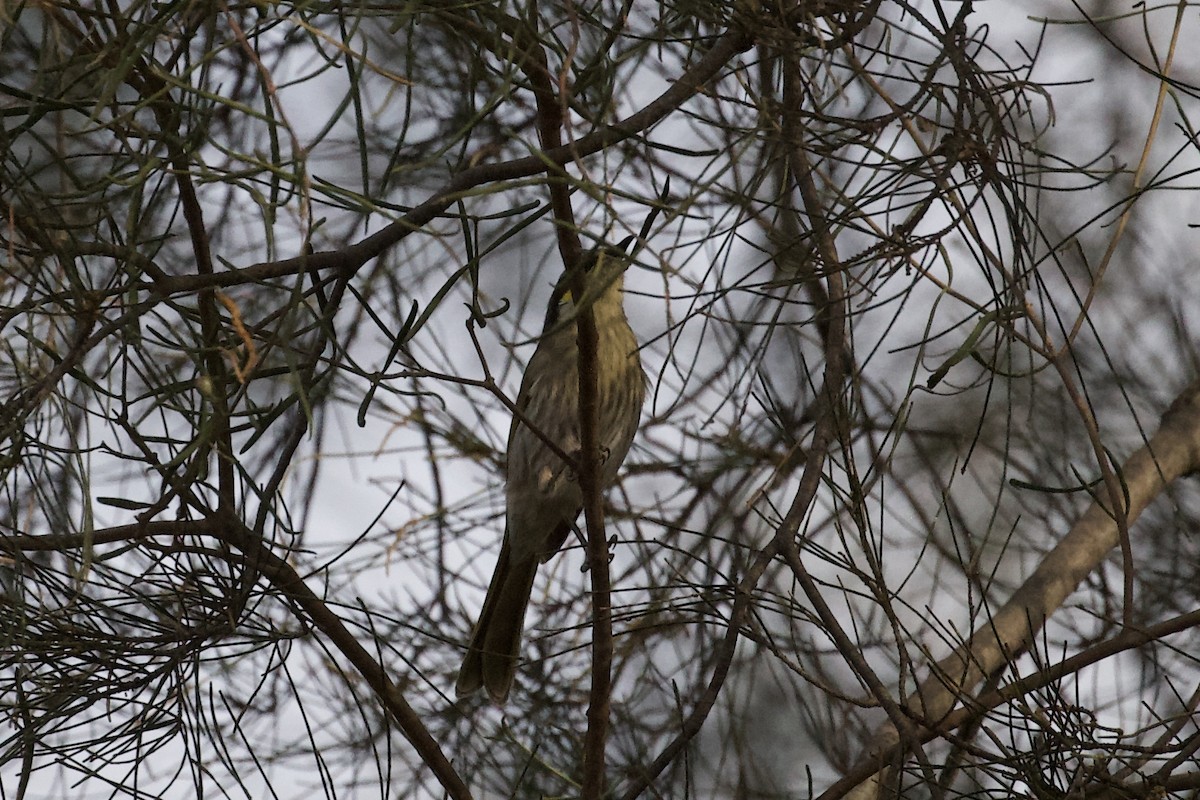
(543, 494)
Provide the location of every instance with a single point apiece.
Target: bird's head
(602, 270)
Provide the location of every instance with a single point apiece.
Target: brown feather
(542, 491)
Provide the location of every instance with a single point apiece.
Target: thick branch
(1174, 451)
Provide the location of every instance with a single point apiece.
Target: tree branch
(1173, 452)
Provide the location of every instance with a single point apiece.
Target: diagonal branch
(1173, 452)
(352, 258)
(283, 577)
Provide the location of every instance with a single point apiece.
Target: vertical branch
(832, 323)
(550, 116)
(551, 109)
(210, 329)
(600, 696)
(169, 117)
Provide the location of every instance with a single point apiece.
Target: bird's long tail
(491, 660)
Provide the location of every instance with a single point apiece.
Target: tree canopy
(912, 508)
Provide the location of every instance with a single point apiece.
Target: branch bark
(1173, 452)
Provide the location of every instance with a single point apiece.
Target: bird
(542, 493)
